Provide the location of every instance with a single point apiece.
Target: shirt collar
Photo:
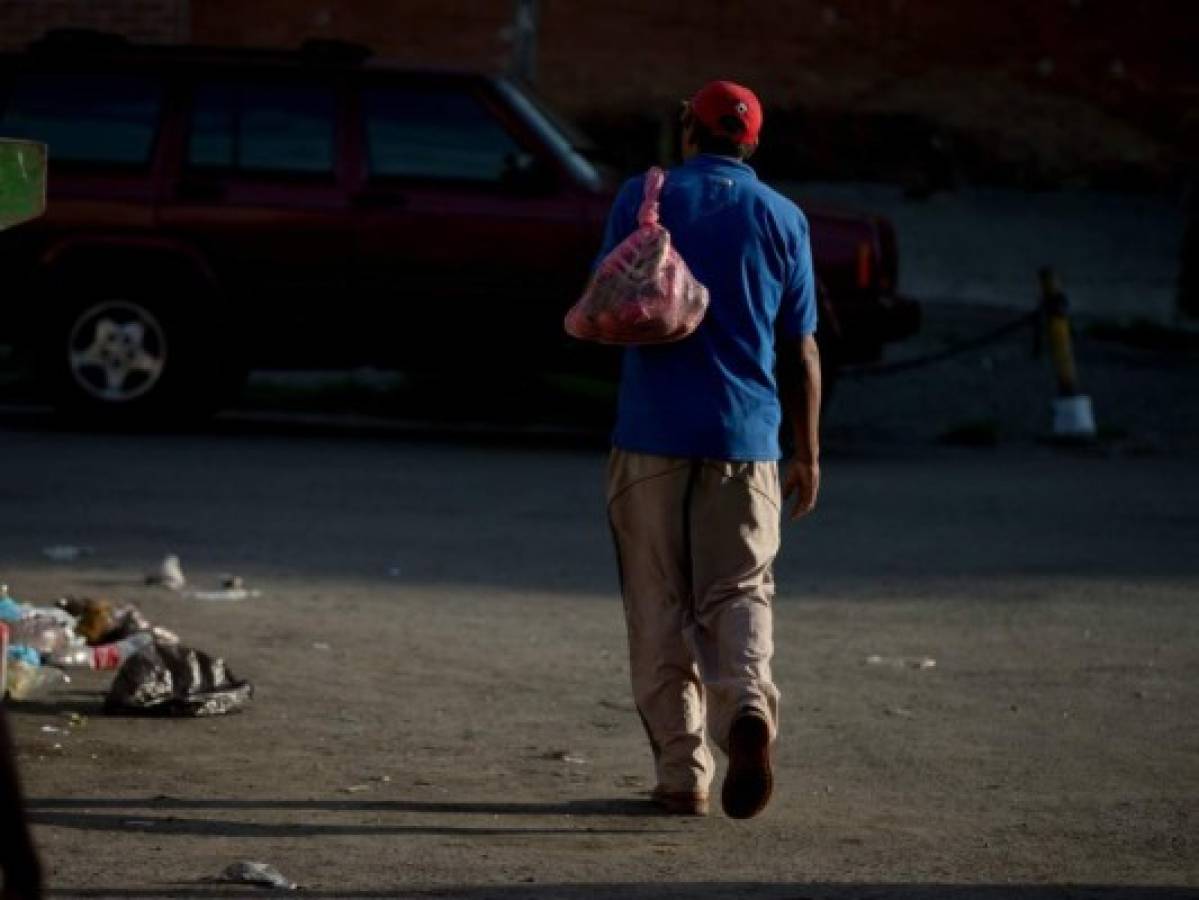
(712, 162)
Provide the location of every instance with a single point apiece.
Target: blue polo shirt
(713, 394)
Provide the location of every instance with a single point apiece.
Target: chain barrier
(870, 370)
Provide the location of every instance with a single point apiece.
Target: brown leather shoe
(749, 780)
(680, 803)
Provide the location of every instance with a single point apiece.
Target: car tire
(126, 354)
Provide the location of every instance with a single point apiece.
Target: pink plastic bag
(642, 292)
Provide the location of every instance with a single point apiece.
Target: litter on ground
(901, 662)
(257, 873)
(169, 574)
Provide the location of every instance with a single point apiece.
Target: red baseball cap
(729, 110)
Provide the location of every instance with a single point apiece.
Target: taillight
(865, 265)
(888, 256)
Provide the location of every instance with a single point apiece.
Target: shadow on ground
(152, 816)
(697, 890)
(139, 815)
(596, 807)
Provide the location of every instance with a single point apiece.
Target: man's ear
(687, 135)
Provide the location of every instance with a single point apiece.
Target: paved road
(439, 632)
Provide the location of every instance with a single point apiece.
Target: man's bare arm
(799, 376)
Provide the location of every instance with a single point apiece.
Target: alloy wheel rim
(117, 351)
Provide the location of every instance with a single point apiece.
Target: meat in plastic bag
(642, 292)
(172, 680)
(101, 622)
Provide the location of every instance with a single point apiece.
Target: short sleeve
(622, 218)
(797, 312)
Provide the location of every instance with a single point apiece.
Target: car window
(285, 129)
(571, 144)
(431, 133)
(85, 118)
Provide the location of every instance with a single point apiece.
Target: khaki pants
(695, 541)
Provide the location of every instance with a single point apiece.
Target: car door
(468, 236)
(260, 190)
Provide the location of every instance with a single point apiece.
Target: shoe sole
(681, 804)
(749, 781)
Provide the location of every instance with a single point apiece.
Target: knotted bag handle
(648, 214)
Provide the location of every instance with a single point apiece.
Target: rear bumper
(863, 330)
(901, 318)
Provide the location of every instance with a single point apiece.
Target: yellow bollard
(1055, 309)
(1073, 417)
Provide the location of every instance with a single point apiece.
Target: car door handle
(378, 200)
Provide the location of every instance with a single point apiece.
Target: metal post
(183, 22)
(1188, 269)
(1073, 417)
(1055, 308)
(525, 23)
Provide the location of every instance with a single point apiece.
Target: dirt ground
(441, 699)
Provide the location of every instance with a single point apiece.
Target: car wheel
(126, 356)
(117, 353)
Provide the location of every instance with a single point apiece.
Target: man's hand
(799, 383)
(803, 480)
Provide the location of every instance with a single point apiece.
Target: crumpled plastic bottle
(24, 653)
(102, 656)
(26, 679)
(44, 634)
(111, 656)
(76, 657)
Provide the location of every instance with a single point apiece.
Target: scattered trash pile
(155, 675)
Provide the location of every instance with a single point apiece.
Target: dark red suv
(216, 210)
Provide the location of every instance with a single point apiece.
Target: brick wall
(1056, 87)
(609, 55)
(421, 32)
(597, 53)
(152, 21)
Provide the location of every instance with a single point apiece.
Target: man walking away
(694, 497)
